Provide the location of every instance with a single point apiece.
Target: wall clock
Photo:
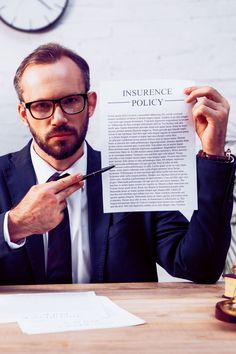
(31, 15)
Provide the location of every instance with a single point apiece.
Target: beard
(62, 149)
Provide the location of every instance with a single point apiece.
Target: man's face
(61, 136)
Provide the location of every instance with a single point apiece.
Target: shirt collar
(43, 170)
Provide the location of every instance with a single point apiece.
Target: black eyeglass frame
(58, 100)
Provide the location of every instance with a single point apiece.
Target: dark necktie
(59, 249)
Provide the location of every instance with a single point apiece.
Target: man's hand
(42, 207)
(210, 113)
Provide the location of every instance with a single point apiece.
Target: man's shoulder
(7, 159)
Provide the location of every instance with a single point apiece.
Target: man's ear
(22, 113)
(92, 101)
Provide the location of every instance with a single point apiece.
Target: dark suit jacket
(126, 246)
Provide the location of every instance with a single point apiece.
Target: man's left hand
(210, 113)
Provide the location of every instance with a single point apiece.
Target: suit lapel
(20, 177)
(97, 220)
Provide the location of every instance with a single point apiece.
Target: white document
(113, 316)
(63, 311)
(14, 308)
(149, 135)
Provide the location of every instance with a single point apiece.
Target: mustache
(61, 129)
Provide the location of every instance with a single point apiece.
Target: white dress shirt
(78, 214)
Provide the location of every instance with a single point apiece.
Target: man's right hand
(42, 207)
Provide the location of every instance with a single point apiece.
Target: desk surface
(179, 319)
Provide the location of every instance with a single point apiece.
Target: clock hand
(44, 3)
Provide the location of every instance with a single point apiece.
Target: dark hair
(46, 54)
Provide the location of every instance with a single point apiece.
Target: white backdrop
(131, 39)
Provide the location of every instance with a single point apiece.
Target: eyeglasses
(44, 109)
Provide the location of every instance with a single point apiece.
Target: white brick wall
(129, 39)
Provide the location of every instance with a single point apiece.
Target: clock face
(31, 15)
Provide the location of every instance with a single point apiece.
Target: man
(52, 84)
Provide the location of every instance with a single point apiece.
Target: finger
(210, 114)
(65, 193)
(63, 204)
(210, 109)
(196, 92)
(206, 102)
(63, 183)
(188, 90)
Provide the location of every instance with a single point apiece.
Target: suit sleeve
(5, 205)
(197, 250)
(4, 247)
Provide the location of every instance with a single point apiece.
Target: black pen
(92, 174)
(97, 172)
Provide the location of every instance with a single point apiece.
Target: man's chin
(60, 155)
(62, 150)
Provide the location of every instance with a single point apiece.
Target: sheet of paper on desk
(59, 312)
(15, 307)
(149, 135)
(113, 316)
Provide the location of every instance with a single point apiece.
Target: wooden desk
(179, 319)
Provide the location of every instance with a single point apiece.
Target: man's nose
(58, 117)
